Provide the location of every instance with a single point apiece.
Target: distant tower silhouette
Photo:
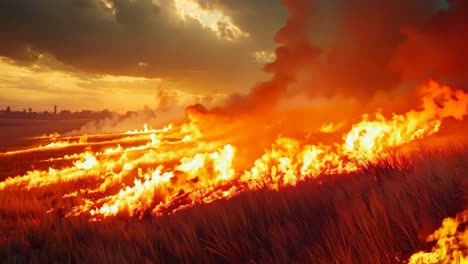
(55, 109)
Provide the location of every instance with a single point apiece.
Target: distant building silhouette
(27, 113)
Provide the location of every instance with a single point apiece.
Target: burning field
(335, 159)
(161, 171)
(347, 193)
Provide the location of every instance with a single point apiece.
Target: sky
(124, 54)
(127, 54)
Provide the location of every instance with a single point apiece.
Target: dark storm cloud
(86, 35)
(64, 28)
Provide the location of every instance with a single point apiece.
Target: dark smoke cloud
(437, 48)
(292, 57)
(367, 36)
(353, 50)
(295, 52)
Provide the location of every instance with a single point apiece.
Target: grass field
(380, 214)
(14, 132)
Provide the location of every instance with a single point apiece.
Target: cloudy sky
(125, 54)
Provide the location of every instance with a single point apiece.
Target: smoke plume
(436, 49)
(361, 49)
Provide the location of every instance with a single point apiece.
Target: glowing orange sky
(41, 88)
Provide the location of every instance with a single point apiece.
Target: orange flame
(451, 243)
(161, 171)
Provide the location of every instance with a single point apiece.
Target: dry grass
(374, 216)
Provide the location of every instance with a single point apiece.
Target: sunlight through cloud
(109, 5)
(219, 23)
(265, 57)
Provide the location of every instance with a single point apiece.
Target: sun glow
(265, 57)
(109, 5)
(219, 23)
